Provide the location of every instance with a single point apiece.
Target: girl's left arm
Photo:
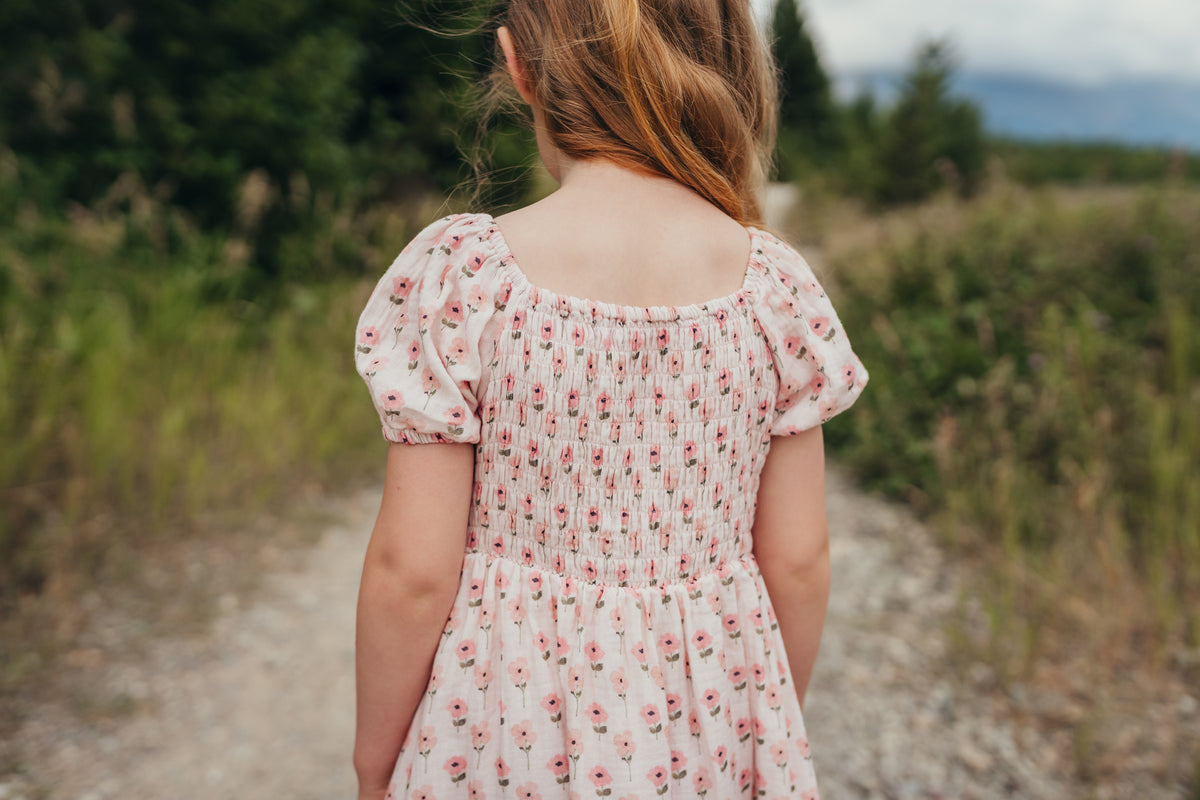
(410, 578)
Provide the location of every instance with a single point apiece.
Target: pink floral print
(612, 636)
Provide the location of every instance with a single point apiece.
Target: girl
(608, 571)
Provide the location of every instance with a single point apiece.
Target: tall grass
(1036, 389)
(144, 383)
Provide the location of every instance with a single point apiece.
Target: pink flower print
(694, 722)
(760, 673)
(375, 367)
(760, 730)
(809, 794)
(578, 337)
(712, 701)
(524, 737)
(724, 376)
(582, 429)
(392, 401)
(693, 394)
(600, 777)
(745, 778)
(483, 678)
(689, 453)
(368, 338)
(604, 403)
(518, 324)
(598, 716)
(435, 679)
(553, 705)
(816, 386)
(652, 718)
(528, 791)
(538, 396)
(595, 654)
(425, 316)
(559, 767)
(575, 684)
(744, 729)
(802, 745)
(794, 346)
(737, 677)
(653, 516)
(663, 338)
(401, 288)
(457, 709)
(457, 350)
(589, 566)
(674, 706)
(820, 326)
(848, 375)
(452, 314)
(637, 340)
(480, 736)
(597, 461)
(424, 793)
(590, 370)
(547, 331)
(426, 741)
(475, 790)
(672, 424)
(502, 770)
(626, 747)
(466, 653)
(639, 653)
(706, 355)
(678, 765)
(658, 779)
(518, 673)
(455, 421)
(756, 616)
(475, 297)
(720, 757)
(676, 363)
(572, 402)
(702, 781)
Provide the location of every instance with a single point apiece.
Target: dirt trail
(262, 706)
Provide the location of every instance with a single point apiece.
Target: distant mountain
(1137, 112)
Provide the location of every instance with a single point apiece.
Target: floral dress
(612, 634)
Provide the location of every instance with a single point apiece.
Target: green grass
(144, 385)
(1035, 379)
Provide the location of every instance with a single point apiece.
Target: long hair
(679, 88)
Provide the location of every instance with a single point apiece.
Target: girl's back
(572, 595)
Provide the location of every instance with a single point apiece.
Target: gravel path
(262, 707)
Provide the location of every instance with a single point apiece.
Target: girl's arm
(791, 545)
(409, 581)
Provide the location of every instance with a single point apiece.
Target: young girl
(621, 389)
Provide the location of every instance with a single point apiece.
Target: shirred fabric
(612, 634)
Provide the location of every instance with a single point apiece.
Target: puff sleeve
(819, 374)
(421, 336)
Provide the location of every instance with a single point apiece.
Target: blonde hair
(679, 88)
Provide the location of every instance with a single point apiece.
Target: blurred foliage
(328, 103)
(1093, 163)
(1035, 373)
(809, 130)
(137, 395)
(926, 142)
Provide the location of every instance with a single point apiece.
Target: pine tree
(930, 140)
(807, 117)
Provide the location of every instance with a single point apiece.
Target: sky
(1084, 42)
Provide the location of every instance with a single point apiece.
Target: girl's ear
(516, 70)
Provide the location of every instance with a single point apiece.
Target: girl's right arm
(410, 578)
(791, 545)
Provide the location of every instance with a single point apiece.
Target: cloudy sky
(1081, 41)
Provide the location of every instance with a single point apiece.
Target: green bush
(1034, 383)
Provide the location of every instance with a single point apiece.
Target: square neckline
(623, 312)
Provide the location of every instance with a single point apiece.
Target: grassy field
(1035, 363)
(143, 388)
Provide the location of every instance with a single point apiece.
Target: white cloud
(1086, 41)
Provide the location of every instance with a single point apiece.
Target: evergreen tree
(807, 117)
(930, 140)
